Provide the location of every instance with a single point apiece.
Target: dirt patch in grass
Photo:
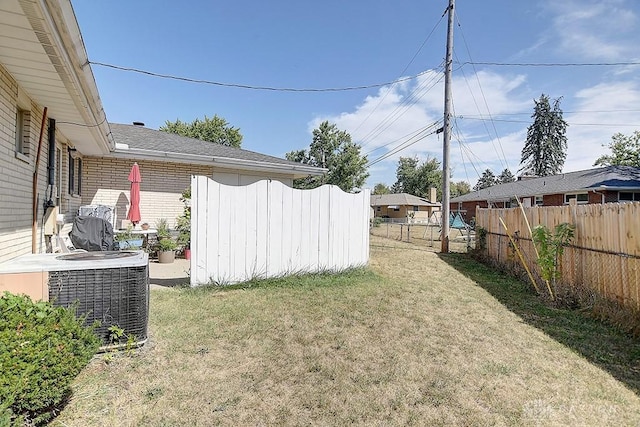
(412, 341)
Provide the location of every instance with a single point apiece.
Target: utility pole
(444, 237)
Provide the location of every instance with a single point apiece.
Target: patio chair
(92, 234)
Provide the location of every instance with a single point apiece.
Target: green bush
(42, 349)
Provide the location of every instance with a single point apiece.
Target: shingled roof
(134, 140)
(400, 199)
(605, 178)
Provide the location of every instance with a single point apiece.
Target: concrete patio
(168, 275)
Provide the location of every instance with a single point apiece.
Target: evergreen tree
(488, 179)
(215, 130)
(332, 148)
(545, 150)
(625, 151)
(505, 177)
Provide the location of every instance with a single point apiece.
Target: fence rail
(267, 229)
(604, 255)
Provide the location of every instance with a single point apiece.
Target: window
(580, 197)
(378, 208)
(625, 196)
(416, 208)
(72, 174)
(539, 200)
(22, 132)
(79, 173)
(396, 209)
(59, 161)
(75, 174)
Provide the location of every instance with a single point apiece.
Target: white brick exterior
(16, 171)
(105, 182)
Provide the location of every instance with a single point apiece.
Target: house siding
(17, 172)
(105, 182)
(468, 209)
(422, 214)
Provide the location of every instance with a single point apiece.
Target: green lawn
(417, 339)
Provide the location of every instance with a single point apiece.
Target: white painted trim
(300, 170)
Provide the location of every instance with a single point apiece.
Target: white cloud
(386, 120)
(593, 30)
(600, 111)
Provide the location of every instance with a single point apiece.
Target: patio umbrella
(134, 195)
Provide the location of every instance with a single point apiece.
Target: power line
(399, 148)
(253, 87)
(414, 96)
(528, 113)
(410, 134)
(401, 73)
(550, 64)
(570, 123)
(486, 104)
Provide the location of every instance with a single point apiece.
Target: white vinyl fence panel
(267, 229)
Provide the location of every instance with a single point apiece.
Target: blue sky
(337, 44)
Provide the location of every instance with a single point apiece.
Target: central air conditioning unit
(111, 287)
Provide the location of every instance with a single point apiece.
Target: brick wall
(105, 182)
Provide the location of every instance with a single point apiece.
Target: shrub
(42, 349)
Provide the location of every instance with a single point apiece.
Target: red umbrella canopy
(134, 195)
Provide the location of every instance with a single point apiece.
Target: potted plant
(166, 250)
(183, 224)
(163, 229)
(127, 240)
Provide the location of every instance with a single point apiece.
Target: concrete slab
(175, 274)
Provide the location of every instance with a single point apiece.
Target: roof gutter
(607, 188)
(75, 65)
(300, 170)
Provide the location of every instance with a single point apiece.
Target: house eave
(49, 62)
(298, 171)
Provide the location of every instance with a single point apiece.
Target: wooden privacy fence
(267, 229)
(603, 256)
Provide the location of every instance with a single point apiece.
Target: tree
(381, 188)
(488, 179)
(459, 188)
(332, 148)
(505, 177)
(545, 150)
(416, 178)
(625, 151)
(215, 130)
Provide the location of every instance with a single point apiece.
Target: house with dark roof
(403, 207)
(166, 163)
(599, 185)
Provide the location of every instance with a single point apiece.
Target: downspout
(601, 195)
(34, 190)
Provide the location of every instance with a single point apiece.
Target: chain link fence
(460, 240)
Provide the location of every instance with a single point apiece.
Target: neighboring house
(404, 207)
(73, 150)
(600, 185)
(167, 162)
